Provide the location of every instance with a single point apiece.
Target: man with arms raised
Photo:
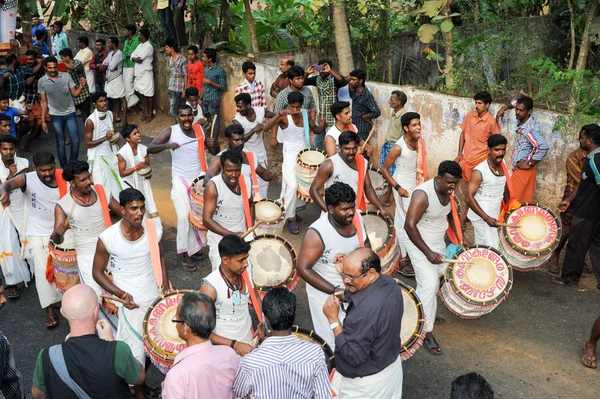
(347, 167)
(336, 232)
(228, 204)
(42, 189)
(186, 142)
(87, 211)
(426, 224)
(485, 192)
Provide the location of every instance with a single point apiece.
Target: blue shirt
(39, 27)
(12, 112)
(44, 47)
(61, 42)
(529, 143)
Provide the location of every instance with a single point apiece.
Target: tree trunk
(573, 45)
(251, 29)
(225, 22)
(385, 16)
(477, 15)
(584, 50)
(449, 43)
(342, 37)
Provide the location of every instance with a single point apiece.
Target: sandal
(440, 320)
(148, 119)
(407, 270)
(432, 346)
(13, 293)
(189, 267)
(587, 360)
(51, 322)
(552, 268)
(2, 297)
(152, 393)
(144, 117)
(294, 230)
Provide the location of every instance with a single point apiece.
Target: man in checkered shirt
(251, 86)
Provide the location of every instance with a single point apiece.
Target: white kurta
(406, 176)
(103, 158)
(143, 72)
(293, 142)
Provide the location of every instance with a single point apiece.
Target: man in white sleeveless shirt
(252, 119)
(42, 191)
(327, 241)
(485, 192)
(87, 217)
(127, 246)
(12, 220)
(342, 113)
(426, 224)
(404, 154)
(343, 167)
(187, 165)
(227, 289)
(296, 137)
(234, 138)
(102, 155)
(225, 205)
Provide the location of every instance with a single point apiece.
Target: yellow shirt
(162, 4)
(395, 127)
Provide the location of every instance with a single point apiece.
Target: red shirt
(196, 75)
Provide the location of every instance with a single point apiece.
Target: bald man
(100, 366)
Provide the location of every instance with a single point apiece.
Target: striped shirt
(283, 368)
(256, 91)
(529, 144)
(178, 75)
(11, 385)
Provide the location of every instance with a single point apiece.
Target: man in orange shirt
(195, 70)
(477, 127)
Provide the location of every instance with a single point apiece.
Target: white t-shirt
(41, 201)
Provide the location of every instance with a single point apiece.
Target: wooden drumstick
(370, 134)
(114, 298)
(68, 219)
(516, 226)
(466, 262)
(338, 293)
(212, 125)
(251, 229)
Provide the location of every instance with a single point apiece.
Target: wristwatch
(530, 163)
(335, 325)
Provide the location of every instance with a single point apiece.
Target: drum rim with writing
(320, 341)
(274, 222)
(157, 355)
(503, 294)
(299, 160)
(515, 247)
(415, 341)
(292, 278)
(391, 229)
(390, 243)
(385, 182)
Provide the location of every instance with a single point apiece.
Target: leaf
(446, 26)
(287, 38)
(426, 32)
(362, 8)
(439, 18)
(246, 36)
(454, 14)
(432, 8)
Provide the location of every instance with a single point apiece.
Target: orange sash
(201, 154)
(252, 163)
(361, 204)
(422, 175)
(62, 184)
(353, 128)
(358, 227)
(512, 201)
(104, 204)
(453, 237)
(155, 252)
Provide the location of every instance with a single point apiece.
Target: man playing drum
(344, 167)
(42, 190)
(485, 192)
(138, 267)
(227, 288)
(228, 204)
(86, 210)
(296, 137)
(426, 224)
(336, 232)
(101, 153)
(408, 154)
(343, 122)
(188, 162)
(251, 167)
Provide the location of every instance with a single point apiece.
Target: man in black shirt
(585, 227)
(367, 346)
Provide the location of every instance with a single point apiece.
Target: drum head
(198, 185)
(268, 211)
(378, 230)
(312, 157)
(114, 138)
(273, 261)
(312, 337)
(413, 320)
(377, 179)
(538, 231)
(145, 170)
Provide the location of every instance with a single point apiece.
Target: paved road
(528, 347)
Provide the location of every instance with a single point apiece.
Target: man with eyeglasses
(336, 233)
(368, 343)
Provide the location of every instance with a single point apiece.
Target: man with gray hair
(202, 370)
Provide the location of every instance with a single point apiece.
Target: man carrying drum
(101, 152)
(86, 210)
(408, 154)
(426, 224)
(42, 190)
(228, 289)
(228, 204)
(251, 167)
(138, 267)
(485, 192)
(186, 142)
(295, 125)
(335, 233)
(344, 167)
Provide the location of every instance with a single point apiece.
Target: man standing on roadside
(195, 70)
(32, 97)
(131, 43)
(60, 38)
(77, 72)
(144, 73)
(115, 87)
(96, 65)
(282, 81)
(255, 89)
(395, 130)
(36, 25)
(364, 106)
(86, 55)
(214, 83)
(177, 77)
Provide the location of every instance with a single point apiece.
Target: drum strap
(512, 201)
(104, 204)
(453, 237)
(62, 184)
(358, 227)
(360, 192)
(252, 163)
(201, 154)
(306, 127)
(421, 162)
(595, 170)
(55, 353)
(353, 128)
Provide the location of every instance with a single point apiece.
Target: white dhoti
(130, 329)
(289, 186)
(484, 234)
(128, 79)
(115, 88)
(47, 293)
(85, 263)
(316, 300)
(144, 84)
(428, 280)
(91, 81)
(14, 268)
(105, 171)
(263, 186)
(399, 219)
(188, 239)
(387, 384)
